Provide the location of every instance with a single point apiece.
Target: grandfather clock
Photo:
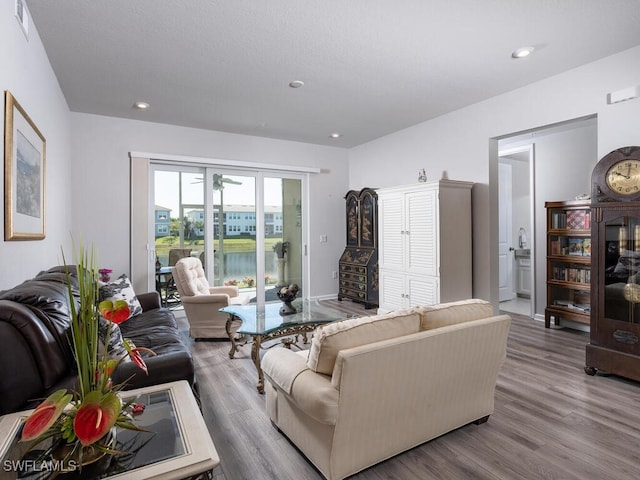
(614, 345)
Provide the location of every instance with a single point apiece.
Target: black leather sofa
(36, 357)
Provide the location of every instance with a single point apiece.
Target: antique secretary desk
(614, 345)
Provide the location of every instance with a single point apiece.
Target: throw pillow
(112, 339)
(121, 289)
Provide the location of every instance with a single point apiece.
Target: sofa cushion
(329, 339)
(121, 289)
(435, 316)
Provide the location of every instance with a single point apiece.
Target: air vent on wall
(23, 17)
(623, 95)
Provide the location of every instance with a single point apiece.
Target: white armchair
(202, 302)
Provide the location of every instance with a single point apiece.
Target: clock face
(623, 177)
(616, 177)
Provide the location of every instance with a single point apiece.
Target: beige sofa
(372, 387)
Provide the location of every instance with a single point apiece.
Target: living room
(88, 187)
(88, 158)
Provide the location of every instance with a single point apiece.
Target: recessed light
(141, 105)
(522, 52)
(335, 135)
(296, 84)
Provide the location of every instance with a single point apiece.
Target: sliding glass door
(246, 227)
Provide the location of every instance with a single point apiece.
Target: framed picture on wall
(24, 174)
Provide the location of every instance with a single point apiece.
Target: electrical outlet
(334, 274)
(323, 239)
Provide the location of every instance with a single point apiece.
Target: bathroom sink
(523, 252)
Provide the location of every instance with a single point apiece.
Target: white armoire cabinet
(425, 254)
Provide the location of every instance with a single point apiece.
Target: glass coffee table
(264, 322)
(176, 446)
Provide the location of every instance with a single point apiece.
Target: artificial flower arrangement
(85, 417)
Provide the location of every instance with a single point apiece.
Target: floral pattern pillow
(121, 289)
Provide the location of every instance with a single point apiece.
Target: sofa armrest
(312, 392)
(219, 298)
(231, 290)
(281, 366)
(149, 300)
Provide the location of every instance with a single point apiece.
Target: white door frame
(528, 149)
(505, 232)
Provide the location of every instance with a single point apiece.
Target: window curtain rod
(185, 160)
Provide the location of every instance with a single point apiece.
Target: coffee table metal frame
(264, 323)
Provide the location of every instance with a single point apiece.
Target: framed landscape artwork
(24, 174)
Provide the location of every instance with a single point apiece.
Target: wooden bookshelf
(568, 262)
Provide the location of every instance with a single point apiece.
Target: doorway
(561, 158)
(515, 207)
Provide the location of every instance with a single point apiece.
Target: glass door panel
(234, 230)
(283, 244)
(622, 269)
(179, 215)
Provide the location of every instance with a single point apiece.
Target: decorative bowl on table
(287, 295)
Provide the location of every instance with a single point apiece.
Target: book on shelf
(578, 220)
(575, 246)
(562, 303)
(582, 307)
(559, 246)
(558, 220)
(586, 247)
(571, 273)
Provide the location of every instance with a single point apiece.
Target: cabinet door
(352, 218)
(391, 212)
(524, 276)
(368, 219)
(392, 290)
(421, 223)
(422, 290)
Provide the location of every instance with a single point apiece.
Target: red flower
(116, 312)
(95, 417)
(134, 354)
(45, 414)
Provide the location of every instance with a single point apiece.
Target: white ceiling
(370, 67)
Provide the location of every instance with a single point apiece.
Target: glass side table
(177, 445)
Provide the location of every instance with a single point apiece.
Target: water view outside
(239, 266)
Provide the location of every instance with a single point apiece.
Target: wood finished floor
(551, 420)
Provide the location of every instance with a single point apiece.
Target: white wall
(25, 71)
(460, 142)
(100, 149)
